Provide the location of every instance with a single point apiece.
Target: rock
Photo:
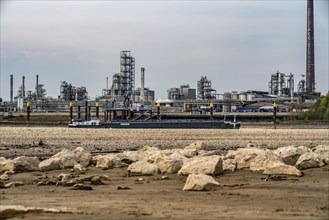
(149, 154)
(142, 168)
(279, 168)
(96, 180)
(20, 164)
(82, 157)
(211, 165)
(289, 154)
(193, 149)
(323, 152)
(244, 156)
(79, 168)
(6, 175)
(263, 159)
(66, 159)
(80, 186)
(16, 183)
(229, 164)
(309, 160)
(169, 164)
(105, 161)
(199, 182)
(2, 163)
(50, 164)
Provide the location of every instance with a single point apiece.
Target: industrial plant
(122, 90)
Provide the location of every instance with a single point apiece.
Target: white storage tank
(250, 96)
(243, 96)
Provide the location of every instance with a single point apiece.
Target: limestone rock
(149, 153)
(79, 168)
(105, 161)
(279, 168)
(211, 165)
(193, 149)
(263, 159)
(244, 156)
(169, 164)
(323, 152)
(140, 168)
(290, 154)
(309, 160)
(82, 157)
(20, 164)
(229, 164)
(66, 159)
(199, 182)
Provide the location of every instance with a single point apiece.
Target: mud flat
(242, 194)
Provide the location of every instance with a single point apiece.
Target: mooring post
(86, 110)
(79, 113)
(71, 112)
(158, 110)
(211, 110)
(97, 110)
(28, 110)
(274, 113)
(234, 120)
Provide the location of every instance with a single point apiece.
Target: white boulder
(290, 154)
(20, 164)
(263, 159)
(82, 157)
(323, 152)
(229, 164)
(309, 160)
(244, 156)
(141, 168)
(211, 165)
(199, 182)
(169, 164)
(279, 168)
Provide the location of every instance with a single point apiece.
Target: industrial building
(72, 93)
(184, 92)
(205, 91)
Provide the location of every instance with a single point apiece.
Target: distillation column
(310, 78)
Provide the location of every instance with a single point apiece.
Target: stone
(244, 156)
(200, 182)
(263, 159)
(193, 149)
(14, 184)
(82, 157)
(169, 164)
(211, 165)
(105, 161)
(280, 168)
(140, 168)
(309, 160)
(229, 164)
(323, 152)
(20, 164)
(66, 159)
(80, 186)
(79, 168)
(149, 154)
(289, 154)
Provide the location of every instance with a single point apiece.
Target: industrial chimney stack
(23, 86)
(142, 84)
(37, 88)
(11, 88)
(310, 79)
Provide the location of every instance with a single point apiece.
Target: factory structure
(281, 87)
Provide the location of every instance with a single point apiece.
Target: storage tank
(250, 96)
(235, 96)
(243, 96)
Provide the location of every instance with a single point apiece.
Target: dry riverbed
(242, 194)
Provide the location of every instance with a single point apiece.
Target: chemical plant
(122, 91)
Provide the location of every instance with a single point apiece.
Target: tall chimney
(11, 88)
(23, 86)
(310, 79)
(142, 84)
(107, 84)
(37, 88)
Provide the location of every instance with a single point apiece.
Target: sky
(236, 44)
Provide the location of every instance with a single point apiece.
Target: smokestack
(37, 87)
(11, 87)
(107, 84)
(310, 79)
(142, 84)
(23, 86)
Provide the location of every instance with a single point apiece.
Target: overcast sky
(236, 44)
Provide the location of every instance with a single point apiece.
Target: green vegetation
(320, 111)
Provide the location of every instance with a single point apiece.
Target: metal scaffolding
(204, 89)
